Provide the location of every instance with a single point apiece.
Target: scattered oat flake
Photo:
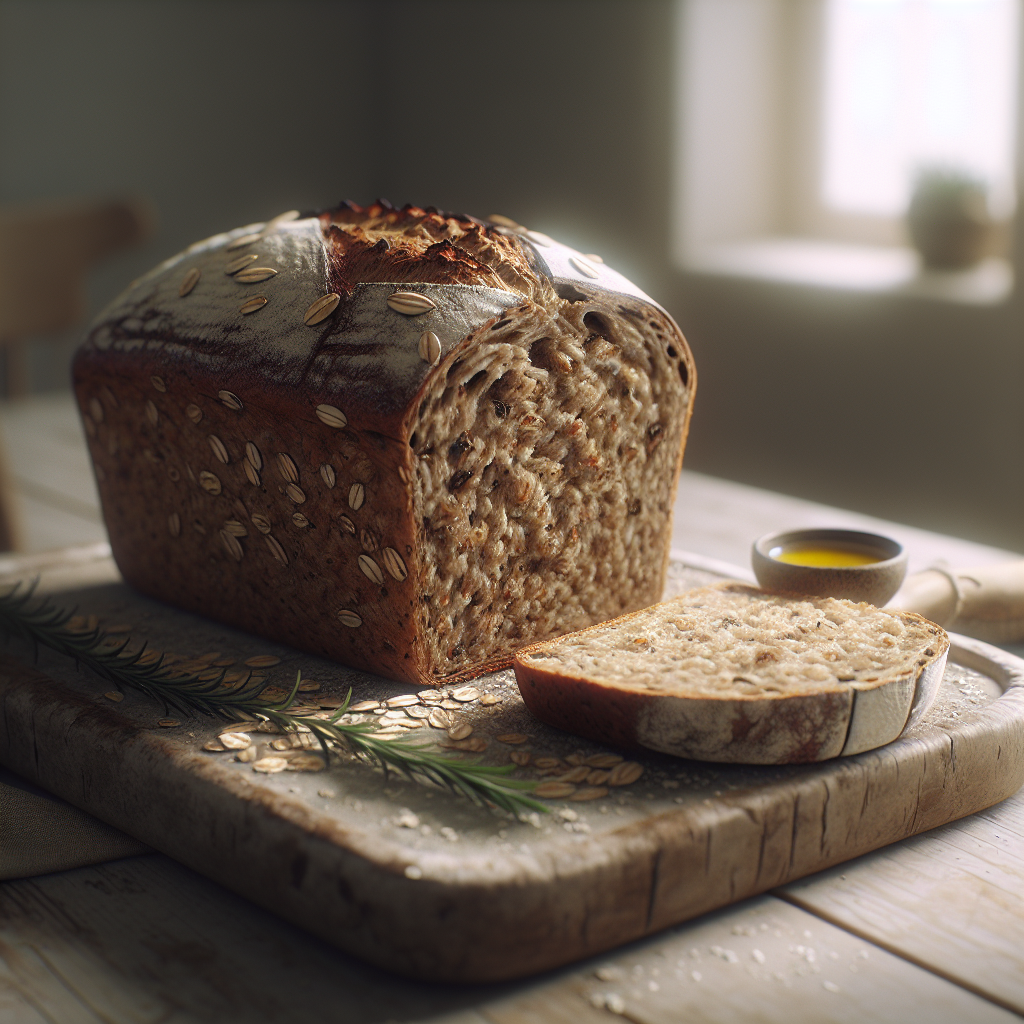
(589, 793)
(440, 719)
(245, 756)
(488, 699)
(465, 694)
(475, 744)
(403, 700)
(235, 740)
(270, 765)
(306, 763)
(614, 1003)
(625, 773)
(114, 695)
(554, 790)
(460, 731)
(513, 738)
(414, 871)
(326, 793)
(603, 760)
(214, 746)
(262, 661)
(406, 819)
(577, 774)
(168, 723)
(548, 762)
(450, 705)
(520, 757)
(364, 705)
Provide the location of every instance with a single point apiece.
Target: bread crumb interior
(738, 642)
(545, 458)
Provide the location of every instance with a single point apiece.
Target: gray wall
(219, 113)
(555, 112)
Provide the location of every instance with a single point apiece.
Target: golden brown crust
(378, 244)
(291, 318)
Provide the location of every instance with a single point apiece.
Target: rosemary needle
(44, 624)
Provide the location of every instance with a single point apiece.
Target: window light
(912, 83)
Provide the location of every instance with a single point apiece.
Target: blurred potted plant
(949, 220)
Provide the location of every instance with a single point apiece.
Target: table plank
(145, 939)
(755, 962)
(55, 493)
(950, 900)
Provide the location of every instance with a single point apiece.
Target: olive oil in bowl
(822, 556)
(830, 563)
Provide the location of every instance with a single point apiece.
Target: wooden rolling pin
(987, 602)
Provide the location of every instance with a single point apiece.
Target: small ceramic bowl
(875, 581)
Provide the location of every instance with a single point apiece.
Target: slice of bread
(731, 673)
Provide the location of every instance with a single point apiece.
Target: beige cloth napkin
(40, 833)
(986, 602)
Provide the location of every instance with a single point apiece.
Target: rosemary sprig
(44, 624)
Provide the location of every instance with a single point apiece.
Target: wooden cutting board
(426, 884)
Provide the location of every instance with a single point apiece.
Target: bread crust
(838, 719)
(186, 379)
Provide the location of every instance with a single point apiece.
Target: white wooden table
(931, 929)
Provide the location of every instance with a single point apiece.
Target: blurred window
(802, 126)
(910, 84)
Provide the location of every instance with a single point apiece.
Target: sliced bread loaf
(731, 673)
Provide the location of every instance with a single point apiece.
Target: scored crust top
(470, 270)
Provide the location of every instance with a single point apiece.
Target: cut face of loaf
(545, 477)
(410, 441)
(730, 673)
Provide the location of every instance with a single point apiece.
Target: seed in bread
(483, 436)
(730, 673)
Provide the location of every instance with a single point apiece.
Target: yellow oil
(819, 556)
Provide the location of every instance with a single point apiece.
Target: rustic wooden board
(494, 898)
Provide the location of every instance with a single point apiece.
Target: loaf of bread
(408, 440)
(731, 673)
